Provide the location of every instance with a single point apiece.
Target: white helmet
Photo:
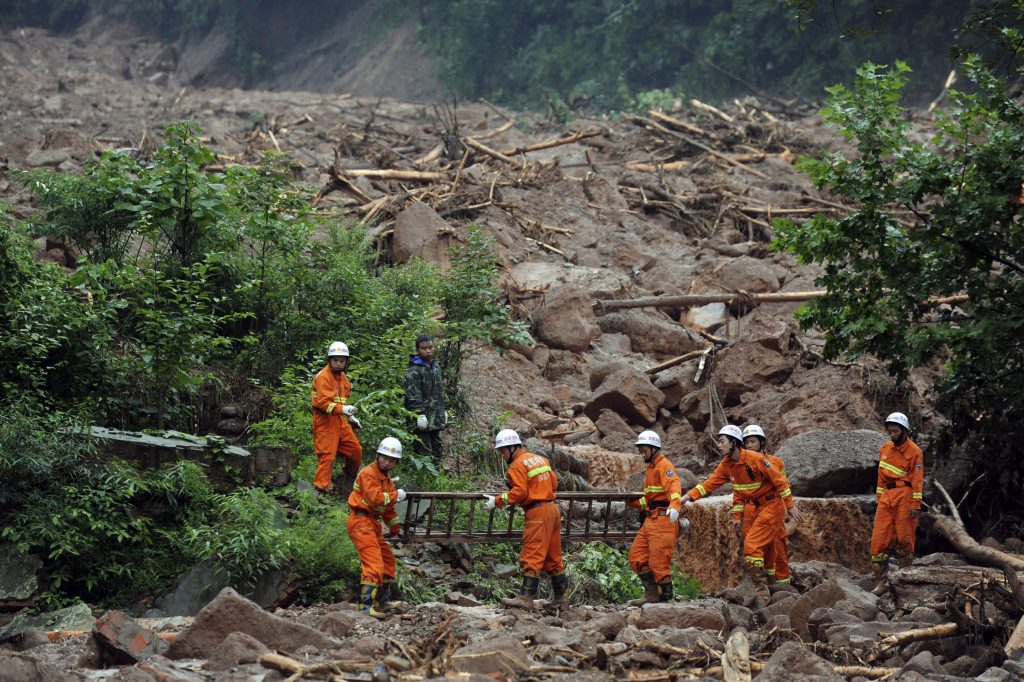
(649, 438)
(506, 437)
(337, 349)
(754, 430)
(390, 446)
(898, 418)
(733, 431)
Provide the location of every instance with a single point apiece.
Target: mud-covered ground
(646, 205)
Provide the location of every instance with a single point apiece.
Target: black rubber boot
(880, 569)
(527, 593)
(665, 590)
(559, 584)
(651, 592)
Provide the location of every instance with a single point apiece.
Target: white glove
(355, 422)
(421, 422)
(401, 496)
(673, 515)
(348, 410)
(687, 501)
(489, 504)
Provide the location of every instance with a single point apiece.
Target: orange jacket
(662, 488)
(753, 478)
(330, 392)
(530, 479)
(901, 466)
(374, 492)
(737, 504)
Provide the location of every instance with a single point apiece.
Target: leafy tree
(606, 54)
(934, 219)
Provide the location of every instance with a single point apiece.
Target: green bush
(318, 544)
(235, 280)
(242, 533)
(935, 219)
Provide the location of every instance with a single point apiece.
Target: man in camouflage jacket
(424, 395)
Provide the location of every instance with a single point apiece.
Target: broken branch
(576, 137)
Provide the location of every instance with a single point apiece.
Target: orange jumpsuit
(758, 483)
(779, 570)
(372, 501)
(331, 431)
(899, 490)
(532, 484)
(654, 543)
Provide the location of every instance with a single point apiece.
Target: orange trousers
(374, 551)
(894, 527)
(653, 546)
(779, 568)
(542, 541)
(759, 541)
(331, 435)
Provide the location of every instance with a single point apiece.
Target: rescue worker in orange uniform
(899, 491)
(532, 483)
(371, 506)
(651, 552)
(758, 483)
(755, 440)
(333, 419)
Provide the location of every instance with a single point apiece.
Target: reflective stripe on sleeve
(537, 471)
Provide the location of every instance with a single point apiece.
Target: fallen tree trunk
(895, 639)
(410, 175)
(688, 300)
(969, 547)
(685, 300)
(575, 137)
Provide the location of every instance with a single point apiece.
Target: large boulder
(745, 366)
(821, 462)
(230, 612)
(77, 617)
(566, 320)
(738, 274)
(419, 231)
(819, 597)
(502, 653)
(823, 397)
(26, 668)
(766, 328)
(616, 434)
(682, 615)
(628, 392)
(792, 662)
(18, 579)
(651, 334)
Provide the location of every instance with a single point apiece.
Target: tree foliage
(191, 282)
(935, 218)
(609, 54)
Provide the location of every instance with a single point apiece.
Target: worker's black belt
(537, 504)
(657, 505)
(360, 512)
(762, 500)
(897, 484)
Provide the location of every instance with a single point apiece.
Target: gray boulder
(823, 462)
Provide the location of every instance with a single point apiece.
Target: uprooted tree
(931, 219)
